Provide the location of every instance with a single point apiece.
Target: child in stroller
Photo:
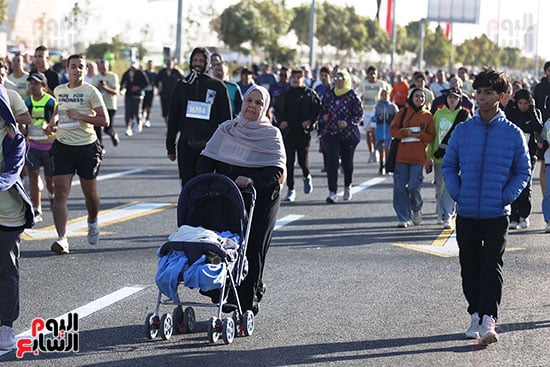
(206, 252)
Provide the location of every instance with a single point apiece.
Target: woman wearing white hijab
(250, 150)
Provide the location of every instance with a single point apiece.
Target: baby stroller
(213, 203)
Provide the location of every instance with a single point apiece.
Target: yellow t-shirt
(12, 207)
(83, 99)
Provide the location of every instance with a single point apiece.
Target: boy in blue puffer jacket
(486, 166)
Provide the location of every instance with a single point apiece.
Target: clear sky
(127, 17)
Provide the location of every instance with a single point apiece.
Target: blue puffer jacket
(486, 166)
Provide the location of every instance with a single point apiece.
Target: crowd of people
(482, 135)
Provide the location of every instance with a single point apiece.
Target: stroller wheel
(213, 331)
(228, 330)
(166, 326)
(152, 323)
(177, 318)
(247, 323)
(189, 320)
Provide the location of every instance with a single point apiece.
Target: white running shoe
(61, 246)
(487, 333)
(447, 224)
(147, 123)
(93, 233)
(514, 225)
(404, 224)
(7, 338)
(129, 132)
(473, 330)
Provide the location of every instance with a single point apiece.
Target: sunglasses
(338, 78)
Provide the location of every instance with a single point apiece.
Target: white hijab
(248, 143)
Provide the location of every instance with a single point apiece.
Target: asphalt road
(345, 286)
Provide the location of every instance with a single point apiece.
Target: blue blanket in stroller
(196, 256)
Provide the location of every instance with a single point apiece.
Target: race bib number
(65, 122)
(198, 110)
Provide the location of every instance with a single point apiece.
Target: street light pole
(178, 32)
(312, 30)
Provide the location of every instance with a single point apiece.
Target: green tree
(259, 23)
(478, 51)
(437, 48)
(510, 57)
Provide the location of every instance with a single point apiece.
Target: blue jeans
(407, 182)
(546, 197)
(445, 204)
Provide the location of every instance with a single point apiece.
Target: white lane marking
(89, 308)
(365, 185)
(79, 227)
(287, 220)
(76, 181)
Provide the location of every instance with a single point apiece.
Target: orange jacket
(399, 93)
(413, 152)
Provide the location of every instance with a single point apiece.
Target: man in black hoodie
(199, 104)
(542, 93)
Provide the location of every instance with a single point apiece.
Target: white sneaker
(404, 224)
(487, 330)
(416, 217)
(473, 330)
(147, 123)
(93, 233)
(347, 194)
(61, 246)
(547, 230)
(524, 223)
(7, 338)
(447, 224)
(290, 196)
(514, 225)
(129, 132)
(331, 198)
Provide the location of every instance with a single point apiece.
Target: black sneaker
(115, 139)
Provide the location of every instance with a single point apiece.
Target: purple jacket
(14, 149)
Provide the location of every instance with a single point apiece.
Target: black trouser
(296, 143)
(187, 161)
(481, 243)
(9, 275)
(521, 207)
(338, 153)
(107, 129)
(259, 239)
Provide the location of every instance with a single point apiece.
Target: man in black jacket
(296, 110)
(198, 105)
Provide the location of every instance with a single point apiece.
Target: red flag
(448, 28)
(389, 17)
